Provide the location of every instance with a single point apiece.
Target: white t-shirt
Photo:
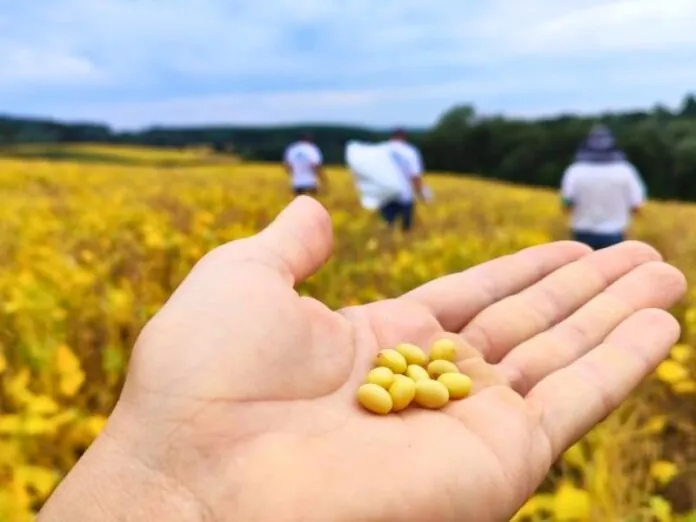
(602, 195)
(410, 164)
(302, 156)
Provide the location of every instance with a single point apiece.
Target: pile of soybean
(405, 374)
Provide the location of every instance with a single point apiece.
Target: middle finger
(509, 322)
(652, 285)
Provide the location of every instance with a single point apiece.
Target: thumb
(230, 309)
(296, 244)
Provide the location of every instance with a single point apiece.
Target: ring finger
(652, 285)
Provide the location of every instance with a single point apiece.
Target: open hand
(240, 398)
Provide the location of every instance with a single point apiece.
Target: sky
(137, 63)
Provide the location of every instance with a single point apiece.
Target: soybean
(412, 353)
(444, 350)
(391, 359)
(402, 392)
(380, 376)
(406, 375)
(431, 394)
(374, 398)
(417, 373)
(440, 366)
(458, 385)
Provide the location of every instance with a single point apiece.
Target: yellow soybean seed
(458, 384)
(374, 398)
(391, 359)
(444, 350)
(417, 373)
(431, 394)
(402, 392)
(398, 377)
(380, 376)
(438, 367)
(412, 353)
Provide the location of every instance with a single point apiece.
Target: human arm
(416, 174)
(636, 190)
(318, 167)
(417, 184)
(239, 388)
(286, 162)
(568, 192)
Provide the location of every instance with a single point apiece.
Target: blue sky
(134, 63)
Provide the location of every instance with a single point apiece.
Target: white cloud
(353, 59)
(623, 25)
(23, 64)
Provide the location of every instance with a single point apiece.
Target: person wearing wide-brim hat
(602, 191)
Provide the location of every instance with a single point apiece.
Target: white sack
(376, 175)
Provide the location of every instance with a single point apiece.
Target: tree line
(660, 142)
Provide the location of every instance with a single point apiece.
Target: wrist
(109, 485)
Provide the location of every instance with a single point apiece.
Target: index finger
(456, 299)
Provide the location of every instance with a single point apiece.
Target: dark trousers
(304, 190)
(597, 241)
(395, 210)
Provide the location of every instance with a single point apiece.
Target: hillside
(132, 155)
(91, 250)
(660, 141)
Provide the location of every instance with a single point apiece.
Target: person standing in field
(303, 163)
(601, 190)
(410, 164)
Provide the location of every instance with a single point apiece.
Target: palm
(435, 459)
(240, 368)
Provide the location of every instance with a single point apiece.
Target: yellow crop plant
(90, 251)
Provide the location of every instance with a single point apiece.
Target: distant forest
(660, 142)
